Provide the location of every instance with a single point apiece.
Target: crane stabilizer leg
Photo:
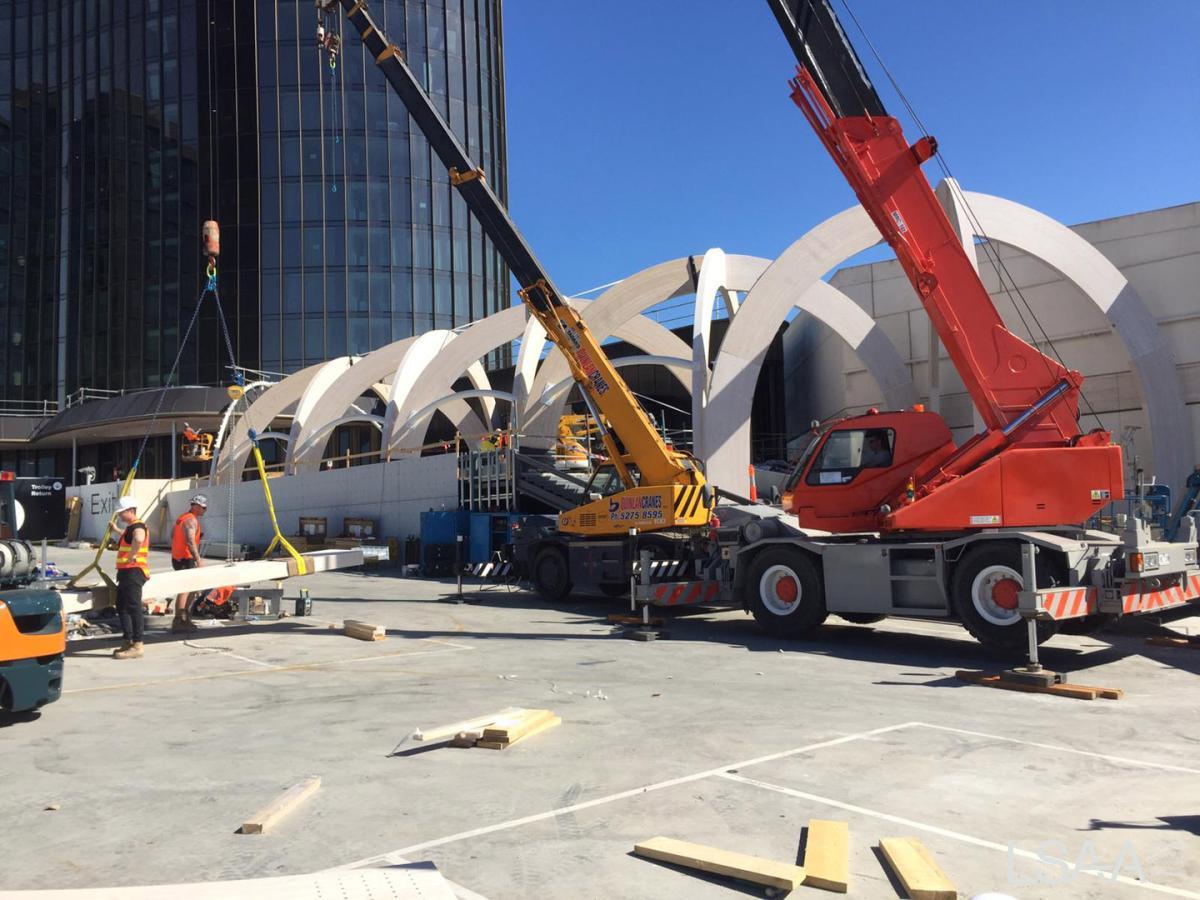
(663, 488)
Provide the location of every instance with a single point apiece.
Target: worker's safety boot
(182, 624)
(125, 645)
(133, 651)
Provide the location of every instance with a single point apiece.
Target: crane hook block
(210, 239)
(235, 392)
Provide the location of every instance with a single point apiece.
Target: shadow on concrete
(1165, 823)
(741, 887)
(9, 719)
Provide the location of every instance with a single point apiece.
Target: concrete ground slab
(155, 762)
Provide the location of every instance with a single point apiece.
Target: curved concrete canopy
(317, 439)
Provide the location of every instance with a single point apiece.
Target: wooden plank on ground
(270, 815)
(544, 725)
(363, 631)
(1073, 691)
(742, 866)
(827, 855)
(447, 732)
(917, 870)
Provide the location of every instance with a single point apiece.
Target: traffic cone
(753, 486)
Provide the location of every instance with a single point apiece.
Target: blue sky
(643, 131)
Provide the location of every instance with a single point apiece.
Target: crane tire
(986, 607)
(785, 592)
(550, 573)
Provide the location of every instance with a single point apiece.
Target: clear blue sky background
(643, 131)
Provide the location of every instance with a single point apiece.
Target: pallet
(1072, 691)
(271, 814)
(827, 856)
(921, 876)
(1192, 643)
(741, 866)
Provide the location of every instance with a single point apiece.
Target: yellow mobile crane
(651, 487)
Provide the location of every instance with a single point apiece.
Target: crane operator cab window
(606, 480)
(848, 452)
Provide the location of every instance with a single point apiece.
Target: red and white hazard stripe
(1072, 603)
(683, 593)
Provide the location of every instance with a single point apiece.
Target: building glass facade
(125, 123)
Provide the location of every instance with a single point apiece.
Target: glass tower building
(126, 123)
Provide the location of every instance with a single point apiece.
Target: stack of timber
(497, 731)
(363, 631)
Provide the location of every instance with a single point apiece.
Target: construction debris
(754, 869)
(363, 631)
(270, 815)
(918, 872)
(1074, 691)
(827, 855)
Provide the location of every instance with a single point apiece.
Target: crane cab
(854, 466)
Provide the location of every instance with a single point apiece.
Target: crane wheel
(984, 590)
(785, 592)
(550, 573)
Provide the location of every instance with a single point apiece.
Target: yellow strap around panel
(280, 540)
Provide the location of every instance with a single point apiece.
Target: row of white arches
(414, 377)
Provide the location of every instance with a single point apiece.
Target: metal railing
(35, 409)
(84, 394)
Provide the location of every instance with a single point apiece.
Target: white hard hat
(125, 503)
(199, 500)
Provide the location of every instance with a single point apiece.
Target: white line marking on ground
(947, 833)
(621, 795)
(1125, 760)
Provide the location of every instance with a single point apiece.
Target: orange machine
(33, 640)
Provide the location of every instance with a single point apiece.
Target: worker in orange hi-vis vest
(133, 571)
(185, 554)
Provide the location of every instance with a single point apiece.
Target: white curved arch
(416, 422)
(259, 415)
(679, 366)
(319, 438)
(439, 369)
(313, 397)
(793, 280)
(501, 328)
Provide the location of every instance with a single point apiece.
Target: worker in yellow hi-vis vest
(133, 571)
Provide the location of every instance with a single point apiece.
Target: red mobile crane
(1030, 466)
(989, 532)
